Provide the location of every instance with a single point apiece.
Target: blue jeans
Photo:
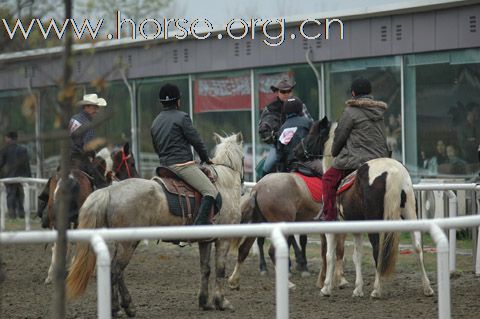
(271, 161)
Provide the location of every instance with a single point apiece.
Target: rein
(124, 161)
(309, 155)
(242, 172)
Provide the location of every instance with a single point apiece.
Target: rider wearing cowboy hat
(173, 135)
(81, 134)
(273, 117)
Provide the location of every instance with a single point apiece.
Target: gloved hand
(209, 162)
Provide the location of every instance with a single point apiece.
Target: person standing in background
(14, 162)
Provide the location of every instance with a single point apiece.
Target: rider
(295, 128)
(173, 135)
(81, 135)
(359, 137)
(272, 118)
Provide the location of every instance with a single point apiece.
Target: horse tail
(92, 215)
(247, 206)
(394, 201)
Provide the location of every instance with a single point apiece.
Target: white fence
(276, 231)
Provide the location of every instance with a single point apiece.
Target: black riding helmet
(169, 94)
(293, 105)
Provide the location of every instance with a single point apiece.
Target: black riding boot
(204, 210)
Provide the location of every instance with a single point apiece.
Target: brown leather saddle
(183, 200)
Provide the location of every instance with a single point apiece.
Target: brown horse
(284, 197)
(141, 203)
(382, 190)
(80, 187)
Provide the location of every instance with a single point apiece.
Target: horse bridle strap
(124, 161)
(309, 155)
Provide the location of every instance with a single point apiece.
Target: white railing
(277, 232)
(30, 186)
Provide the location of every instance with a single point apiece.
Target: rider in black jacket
(173, 135)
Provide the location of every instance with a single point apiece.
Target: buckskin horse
(80, 187)
(285, 197)
(381, 190)
(140, 203)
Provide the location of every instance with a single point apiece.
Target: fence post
(281, 273)
(104, 302)
(443, 274)
(452, 233)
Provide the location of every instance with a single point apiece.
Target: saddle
(347, 182)
(184, 200)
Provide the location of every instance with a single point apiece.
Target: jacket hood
(373, 109)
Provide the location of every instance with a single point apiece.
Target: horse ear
(126, 148)
(324, 121)
(217, 138)
(239, 138)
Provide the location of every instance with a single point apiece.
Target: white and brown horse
(141, 203)
(382, 190)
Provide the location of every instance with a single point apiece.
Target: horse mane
(106, 155)
(229, 151)
(327, 149)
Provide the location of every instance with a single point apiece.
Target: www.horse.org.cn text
(273, 32)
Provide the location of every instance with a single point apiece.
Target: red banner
(222, 94)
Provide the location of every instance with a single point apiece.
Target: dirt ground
(164, 279)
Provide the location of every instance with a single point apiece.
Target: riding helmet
(293, 105)
(169, 93)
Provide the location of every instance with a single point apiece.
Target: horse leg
(221, 250)
(323, 252)
(205, 252)
(51, 269)
(357, 260)
(243, 250)
(123, 254)
(263, 264)
(331, 247)
(271, 253)
(300, 254)
(417, 245)
(377, 286)
(340, 252)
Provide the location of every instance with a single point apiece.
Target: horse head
(123, 165)
(312, 146)
(229, 152)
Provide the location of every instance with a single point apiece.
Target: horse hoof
(428, 292)
(233, 284)
(375, 294)
(325, 292)
(291, 285)
(343, 284)
(305, 274)
(207, 307)
(48, 281)
(130, 312)
(223, 305)
(357, 293)
(234, 287)
(263, 273)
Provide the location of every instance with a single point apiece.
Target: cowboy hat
(284, 84)
(92, 99)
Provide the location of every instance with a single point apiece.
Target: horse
(382, 190)
(141, 203)
(284, 197)
(80, 186)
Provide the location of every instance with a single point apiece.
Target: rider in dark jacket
(295, 127)
(173, 135)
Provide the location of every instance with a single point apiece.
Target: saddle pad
(176, 201)
(347, 182)
(315, 186)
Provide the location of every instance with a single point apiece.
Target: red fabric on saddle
(315, 186)
(347, 182)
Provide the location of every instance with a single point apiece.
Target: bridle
(124, 161)
(242, 172)
(308, 155)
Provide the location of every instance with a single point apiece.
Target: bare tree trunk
(65, 98)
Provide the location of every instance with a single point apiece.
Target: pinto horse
(285, 197)
(382, 190)
(141, 203)
(80, 187)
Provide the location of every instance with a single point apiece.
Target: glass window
(442, 105)
(384, 74)
(222, 104)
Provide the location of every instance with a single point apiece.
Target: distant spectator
(441, 152)
(14, 162)
(468, 133)
(454, 165)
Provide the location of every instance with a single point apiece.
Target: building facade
(423, 61)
